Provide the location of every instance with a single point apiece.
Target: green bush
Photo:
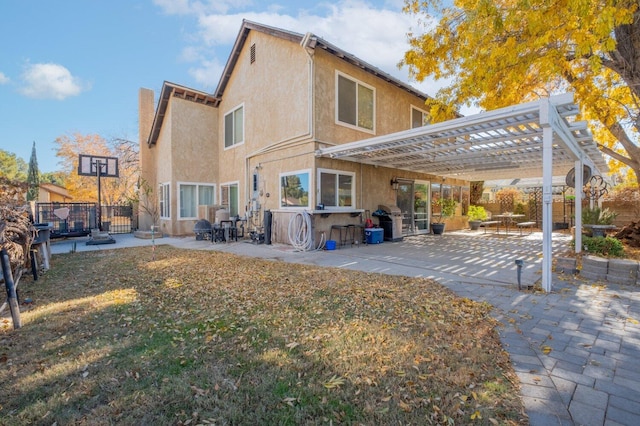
(477, 213)
(605, 246)
(597, 216)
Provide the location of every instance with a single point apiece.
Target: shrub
(477, 213)
(597, 216)
(605, 246)
(447, 209)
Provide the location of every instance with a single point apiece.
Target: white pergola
(535, 139)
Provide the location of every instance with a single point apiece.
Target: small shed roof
(499, 144)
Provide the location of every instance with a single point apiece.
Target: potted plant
(447, 209)
(476, 215)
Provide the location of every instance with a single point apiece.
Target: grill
(202, 229)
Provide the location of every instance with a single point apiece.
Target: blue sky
(75, 66)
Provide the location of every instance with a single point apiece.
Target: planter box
(594, 268)
(622, 271)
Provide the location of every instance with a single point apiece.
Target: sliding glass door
(412, 200)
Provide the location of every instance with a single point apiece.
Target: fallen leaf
(334, 382)
(292, 345)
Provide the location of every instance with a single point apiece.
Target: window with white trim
(229, 198)
(355, 103)
(419, 117)
(234, 127)
(191, 195)
(294, 189)
(164, 199)
(336, 189)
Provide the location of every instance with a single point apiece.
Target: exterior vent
(253, 53)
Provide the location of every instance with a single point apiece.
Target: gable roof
(308, 41)
(175, 90)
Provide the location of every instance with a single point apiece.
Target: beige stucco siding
(194, 148)
(274, 93)
(148, 160)
(392, 105)
(193, 152)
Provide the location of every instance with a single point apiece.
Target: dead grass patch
(208, 337)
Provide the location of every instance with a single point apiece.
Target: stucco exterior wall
(194, 154)
(274, 92)
(148, 166)
(392, 105)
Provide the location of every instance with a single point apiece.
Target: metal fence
(78, 219)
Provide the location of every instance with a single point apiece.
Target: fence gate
(78, 219)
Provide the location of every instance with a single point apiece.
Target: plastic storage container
(374, 235)
(330, 245)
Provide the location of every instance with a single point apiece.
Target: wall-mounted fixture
(394, 183)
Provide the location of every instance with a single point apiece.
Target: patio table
(508, 219)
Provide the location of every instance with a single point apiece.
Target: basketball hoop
(98, 166)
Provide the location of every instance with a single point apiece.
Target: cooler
(374, 235)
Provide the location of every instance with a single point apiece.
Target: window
(191, 196)
(164, 199)
(234, 127)
(294, 189)
(229, 198)
(355, 104)
(337, 189)
(419, 118)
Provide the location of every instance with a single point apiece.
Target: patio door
(412, 200)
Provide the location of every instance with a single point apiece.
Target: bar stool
(342, 240)
(360, 231)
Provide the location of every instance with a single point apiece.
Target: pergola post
(578, 204)
(547, 204)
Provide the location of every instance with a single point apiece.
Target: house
(52, 193)
(297, 124)
(251, 145)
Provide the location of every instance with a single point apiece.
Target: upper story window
(337, 189)
(294, 189)
(419, 117)
(234, 127)
(355, 103)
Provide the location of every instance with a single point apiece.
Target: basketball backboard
(88, 166)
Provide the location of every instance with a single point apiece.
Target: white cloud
(208, 73)
(3, 78)
(199, 7)
(50, 81)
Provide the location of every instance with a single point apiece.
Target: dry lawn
(199, 337)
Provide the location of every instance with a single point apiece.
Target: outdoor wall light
(394, 183)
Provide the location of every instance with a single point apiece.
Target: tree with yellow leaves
(501, 52)
(85, 188)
